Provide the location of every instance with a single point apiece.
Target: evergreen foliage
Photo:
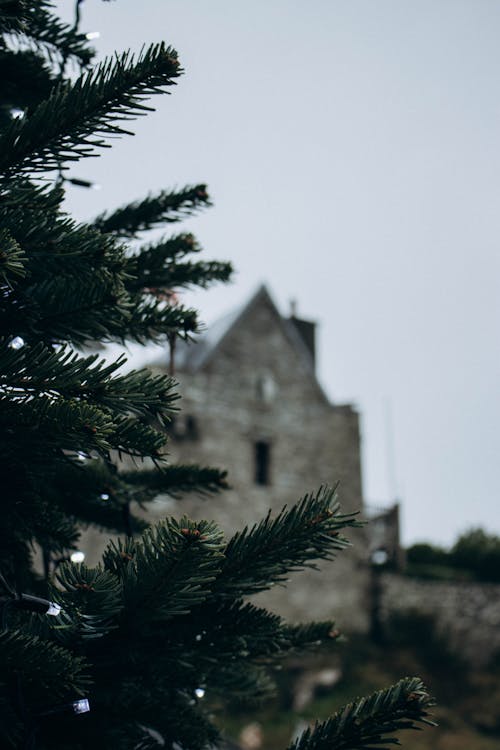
(478, 552)
(368, 723)
(474, 556)
(164, 617)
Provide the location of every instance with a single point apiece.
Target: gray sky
(352, 151)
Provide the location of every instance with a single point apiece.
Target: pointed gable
(251, 403)
(253, 337)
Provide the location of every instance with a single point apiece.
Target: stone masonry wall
(466, 614)
(312, 443)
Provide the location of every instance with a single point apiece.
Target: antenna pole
(392, 481)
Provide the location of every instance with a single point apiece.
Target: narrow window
(265, 388)
(184, 428)
(172, 427)
(262, 462)
(191, 428)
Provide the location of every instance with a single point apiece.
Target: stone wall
(312, 442)
(259, 386)
(467, 615)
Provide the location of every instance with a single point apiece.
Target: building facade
(252, 404)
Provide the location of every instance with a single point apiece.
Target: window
(184, 428)
(262, 462)
(265, 388)
(191, 428)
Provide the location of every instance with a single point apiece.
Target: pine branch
(152, 256)
(168, 571)
(100, 302)
(12, 259)
(180, 721)
(79, 285)
(136, 439)
(175, 480)
(49, 526)
(58, 38)
(25, 79)
(180, 276)
(248, 687)
(80, 428)
(70, 424)
(369, 723)
(311, 635)
(238, 633)
(20, 193)
(72, 310)
(149, 321)
(157, 269)
(30, 511)
(32, 371)
(76, 119)
(154, 210)
(234, 631)
(90, 492)
(13, 15)
(220, 640)
(43, 667)
(257, 558)
(34, 216)
(91, 600)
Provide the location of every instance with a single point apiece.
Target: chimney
(306, 330)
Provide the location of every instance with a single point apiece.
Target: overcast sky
(352, 149)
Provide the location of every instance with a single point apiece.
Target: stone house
(252, 404)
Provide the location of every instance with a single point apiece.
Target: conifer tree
(130, 654)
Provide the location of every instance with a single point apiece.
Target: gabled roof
(191, 355)
(194, 355)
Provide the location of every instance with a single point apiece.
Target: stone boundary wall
(466, 614)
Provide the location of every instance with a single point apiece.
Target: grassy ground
(468, 710)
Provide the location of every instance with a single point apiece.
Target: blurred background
(351, 151)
